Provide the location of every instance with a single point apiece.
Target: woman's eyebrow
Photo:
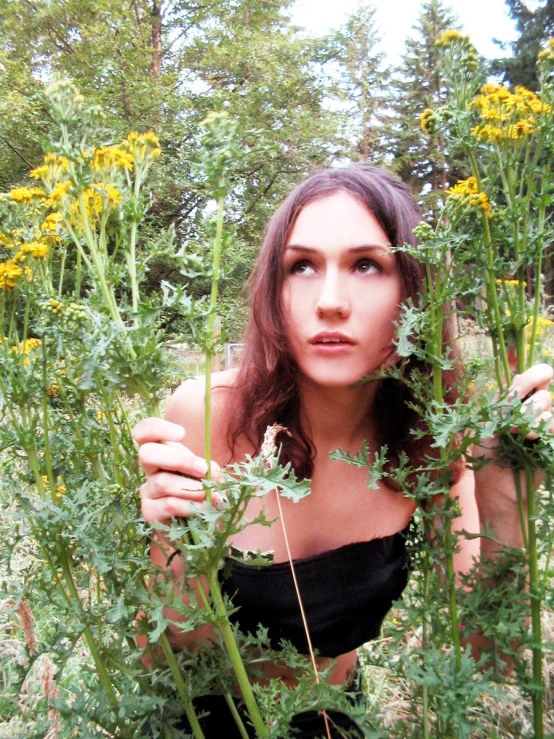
(351, 250)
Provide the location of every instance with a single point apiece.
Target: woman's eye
(366, 266)
(301, 267)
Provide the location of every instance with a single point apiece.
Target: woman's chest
(340, 509)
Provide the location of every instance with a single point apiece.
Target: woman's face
(341, 292)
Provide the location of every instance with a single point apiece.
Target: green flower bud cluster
(219, 152)
(423, 232)
(73, 314)
(53, 307)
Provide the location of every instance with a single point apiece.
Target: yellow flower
(25, 194)
(53, 168)
(466, 192)
(110, 192)
(451, 36)
(51, 227)
(10, 273)
(543, 324)
(509, 283)
(60, 192)
(143, 146)
(93, 200)
(464, 187)
(513, 115)
(24, 348)
(427, 120)
(37, 249)
(107, 157)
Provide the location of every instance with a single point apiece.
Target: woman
(326, 294)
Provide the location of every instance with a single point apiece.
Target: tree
(421, 161)
(534, 27)
(361, 83)
(164, 65)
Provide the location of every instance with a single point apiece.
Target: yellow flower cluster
(507, 116)
(543, 324)
(10, 273)
(107, 157)
(26, 347)
(427, 120)
(59, 193)
(509, 283)
(51, 227)
(96, 199)
(60, 489)
(37, 249)
(450, 37)
(547, 54)
(467, 192)
(143, 145)
(53, 168)
(25, 194)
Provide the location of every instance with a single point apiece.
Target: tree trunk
(156, 64)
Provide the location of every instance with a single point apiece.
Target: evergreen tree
(361, 83)
(534, 27)
(420, 160)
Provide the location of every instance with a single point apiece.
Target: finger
(163, 509)
(175, 458)
(215, 469)
(167, 484)
(157, 429)
(537, 377)
(537, 402)
(545, 418)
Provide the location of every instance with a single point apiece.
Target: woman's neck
(337, 417)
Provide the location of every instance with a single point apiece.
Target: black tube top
(346, 593)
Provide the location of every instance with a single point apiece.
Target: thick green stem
(216, 257)
(227, 635)
(236, 715)
(45, 426)
(132, 261)
(425, 642)
(181, 688)
(62, 268)
(490, 281)
(437, 313)
(535, 598)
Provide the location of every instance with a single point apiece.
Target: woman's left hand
(495, 487)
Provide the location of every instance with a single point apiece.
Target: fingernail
(200, 466)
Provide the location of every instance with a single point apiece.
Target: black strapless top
(346, 593)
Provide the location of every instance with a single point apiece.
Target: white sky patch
(482, 20)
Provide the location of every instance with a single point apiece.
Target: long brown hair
(267, 388)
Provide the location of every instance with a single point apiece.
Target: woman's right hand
(173, 472)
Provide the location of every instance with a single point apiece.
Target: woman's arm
(174, 475)
(495, 485)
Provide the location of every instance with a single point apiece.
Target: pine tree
(361, 83)
(420, 160)
(534, 27)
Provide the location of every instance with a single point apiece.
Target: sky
(482, 20)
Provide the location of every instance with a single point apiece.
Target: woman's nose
(333, 297)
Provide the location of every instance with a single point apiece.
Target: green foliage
(534, 27)
(426, 163)
(361, 84)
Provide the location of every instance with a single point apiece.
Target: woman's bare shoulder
(186, 406)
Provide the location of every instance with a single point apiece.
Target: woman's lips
(331, 342)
